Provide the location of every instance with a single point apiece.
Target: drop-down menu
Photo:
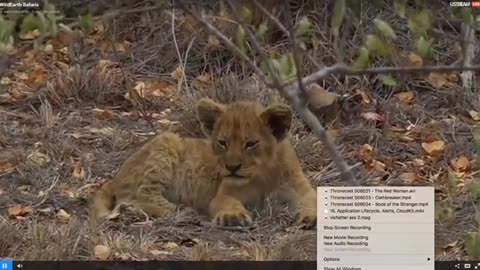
(373, 228)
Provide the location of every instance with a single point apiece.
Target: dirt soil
(69, 119)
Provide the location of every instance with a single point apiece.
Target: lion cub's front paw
(233, 217)
(307, 217)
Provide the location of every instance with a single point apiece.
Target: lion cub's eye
(251, 144)
(222, 143)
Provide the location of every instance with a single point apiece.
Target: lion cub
(246, 157)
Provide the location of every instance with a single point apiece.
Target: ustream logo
(460, 4)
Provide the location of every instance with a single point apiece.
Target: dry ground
(67, 126)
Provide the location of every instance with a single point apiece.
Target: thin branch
(296, 60)
(292, 90)
(468, 40)
(179, 55)
(341, 69)
(272, 18)
(230, 45)
(256, 44)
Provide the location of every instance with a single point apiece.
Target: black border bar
(197, 265)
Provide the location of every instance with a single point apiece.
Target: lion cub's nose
(233, 168)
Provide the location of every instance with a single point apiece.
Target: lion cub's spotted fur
(246, 157)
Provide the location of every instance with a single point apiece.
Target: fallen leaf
(104, 64)
(154, 88)
(365, 98)
(63, 216)
(475, 115)
(213, 42)
(102, 252)
(123, 256)
(6, 167)
(436, 79)
(113, 215)
(378, 165)
(408, 177)
(461, 164)
(367, 148)
(109, 47)
(38, 158)
(30, 35)
(37, 77)
(45, 211)
(5, 81)
(103, 115)
(452, 77)
(178, 73)
(204, 78)
(419, 162)
(19, 211)
(171, 245)
(433, 148)
(21, 75)
(156, 252)
(1, 191)
(415, 60)
(372, 116)
(24, 187)
(405, 138)
(78, 171)
(405, 97)
(48, 49)
(17, 93)
(103, 131)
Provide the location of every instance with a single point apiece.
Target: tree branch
(292, 90)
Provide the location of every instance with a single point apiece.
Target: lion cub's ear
(208, 112)
(279, 119)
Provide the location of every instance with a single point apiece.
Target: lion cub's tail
(103, 202)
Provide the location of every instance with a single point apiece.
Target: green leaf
(261, 32)
(337, 17)
(388, 80)
(43, 23)
(400, 7)
(474, 188)
(467, 16)
(420, 23)
(363, 59)
(385, 28)
(241, 40)
(6, 46)
(423, 46)
(29, 23)
(246, 13)
(379, 3)
(6, 29)
(472, 244)
(86, 22)
(303, 27)
(376, 45)
(264, 66)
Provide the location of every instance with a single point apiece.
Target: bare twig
(272, 18)
(276, 81)
(468, 38)
(296, 60)
(292, 90)
(231, 46)
(180, 61)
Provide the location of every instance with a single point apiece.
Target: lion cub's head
(244, 135)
